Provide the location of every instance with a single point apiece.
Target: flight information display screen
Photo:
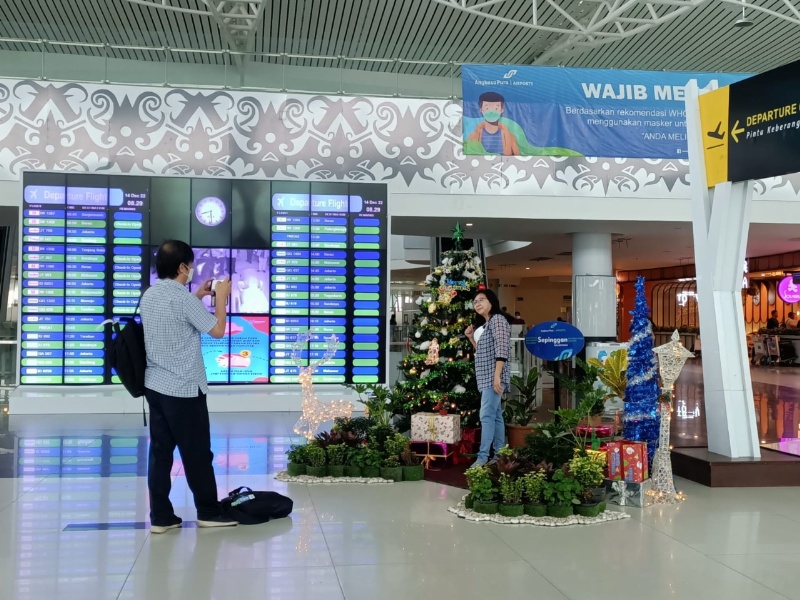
(300, 255)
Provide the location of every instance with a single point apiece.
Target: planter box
(536, 510)
(484, 508)
(370, 472)
(468, 502)
(295, 469)
(393, 473)
(511, 510)
(415, 473)
(559, 511)
(335, 470)
(352, 471)
(316, 471)
(589, 510)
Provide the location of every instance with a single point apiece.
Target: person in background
(791, 321)
(772, 322)
(518, 320)
(176, 386)
(492, 373)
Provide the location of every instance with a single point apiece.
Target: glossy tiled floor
(357, 542)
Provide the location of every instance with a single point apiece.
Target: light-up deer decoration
(315, 412)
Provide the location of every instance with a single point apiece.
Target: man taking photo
(176, 385)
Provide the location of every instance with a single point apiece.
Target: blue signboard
(553, 111)
(554, 340)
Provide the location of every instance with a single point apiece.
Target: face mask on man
(492, 116)
(189, 275)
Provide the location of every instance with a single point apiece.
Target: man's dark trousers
(181, 422)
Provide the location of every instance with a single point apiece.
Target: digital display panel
(299, 255)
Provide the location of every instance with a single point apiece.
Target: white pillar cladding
(721, 222)
(594, 297)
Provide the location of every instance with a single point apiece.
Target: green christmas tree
(439, 371)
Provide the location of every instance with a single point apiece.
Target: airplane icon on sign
(717, 134)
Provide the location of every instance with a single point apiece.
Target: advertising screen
(299, 255)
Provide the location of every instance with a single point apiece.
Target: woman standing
(492, 343)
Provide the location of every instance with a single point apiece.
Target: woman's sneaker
(217, 522)
(175, 523)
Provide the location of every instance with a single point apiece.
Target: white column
(721, 221)
(594, 298)
(507, 293)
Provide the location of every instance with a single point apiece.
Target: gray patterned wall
(414, 145)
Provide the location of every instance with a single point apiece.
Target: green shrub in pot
(352, 468)
(561, 493)
(511, 491)
(298, 460)
(316, 461)
(482, 490)
(370, 461)
(534, 483)
(336, 454)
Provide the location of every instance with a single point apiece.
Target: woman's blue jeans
(493, 428)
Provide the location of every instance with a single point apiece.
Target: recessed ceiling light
(527, 268)
(469, 224)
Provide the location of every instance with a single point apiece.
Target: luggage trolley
(766, 350)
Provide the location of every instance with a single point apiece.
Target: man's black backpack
(251, 508)
(126, 354)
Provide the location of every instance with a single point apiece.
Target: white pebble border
(470, 515)
(309, 479)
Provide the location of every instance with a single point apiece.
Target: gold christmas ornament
(432, 307)
(446, 294)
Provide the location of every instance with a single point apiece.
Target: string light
(315, 413)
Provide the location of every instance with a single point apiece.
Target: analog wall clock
(211, 211)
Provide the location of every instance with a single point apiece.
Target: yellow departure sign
(751, 129)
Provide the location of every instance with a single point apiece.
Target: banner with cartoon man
(553, 111)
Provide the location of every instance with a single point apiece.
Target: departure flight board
(300, 255)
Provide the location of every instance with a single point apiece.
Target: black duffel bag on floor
(251, 508)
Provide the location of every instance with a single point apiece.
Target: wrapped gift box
(628, 494)
(438, 454)
(627, 461)
(430, 427)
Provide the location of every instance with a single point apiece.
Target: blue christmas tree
(641, 420)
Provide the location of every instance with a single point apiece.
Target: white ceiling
(701, 37)
(637, 245)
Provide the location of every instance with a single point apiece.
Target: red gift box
(614, 450)
(628, 460)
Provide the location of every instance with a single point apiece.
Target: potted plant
(378, 399)
(588, 472)
(590, 398)
(481, 490)
(551, 442)
(412, 466)
(352, 468)
(298, 460)
(534, 483)
(316, 461)
(336, 454)
(392, 469)
(560, 494)
(370, 460)
(521, 407)
(613, 373)
(511, 491)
